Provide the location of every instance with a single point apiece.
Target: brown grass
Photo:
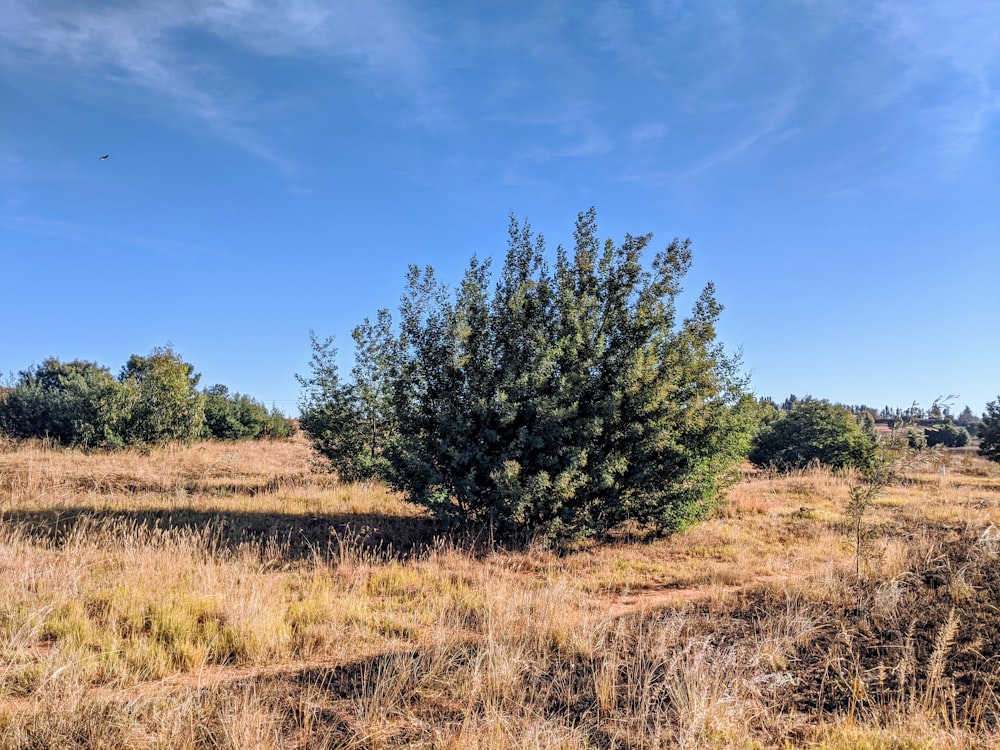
(230, 596)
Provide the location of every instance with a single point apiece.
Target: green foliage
(159, 399)
(813, 431)
(989, 432)
(868, 424)
(373, 372)
(70, 403)
(565, 402)
(916, 438)
(238, 417)
(946, 434)
(330, 413)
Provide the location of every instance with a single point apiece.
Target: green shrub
(562, 401)
(989, 432)
(154, 400)
(813, 431)
(948, 435)
(71, 403)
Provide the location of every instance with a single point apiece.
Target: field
(231, 596)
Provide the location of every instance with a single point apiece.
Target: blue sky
(275, 166)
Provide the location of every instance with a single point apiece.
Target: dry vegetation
(227, 596)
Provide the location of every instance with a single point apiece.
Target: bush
(562, 402)
(71, 403)
(948, 435)
(813, 431)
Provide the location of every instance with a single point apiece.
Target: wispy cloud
(142, 44)
(86, 234)
(952, 49)
(757, 132)
(646, 132)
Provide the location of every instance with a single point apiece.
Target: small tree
(813, 431)
(989, 432)
(372, 378)
(159, 399)
(329, 413)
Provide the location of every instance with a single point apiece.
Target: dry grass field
(229, 596)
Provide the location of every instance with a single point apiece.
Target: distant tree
(948, 435)
(159, 399)
(969, 421)
(767, 411)
(69, 402)
(222, 418)
(989, 432)
(813, 431)
(895, 424)
(868, 423)
(966, 417)
(238, 417)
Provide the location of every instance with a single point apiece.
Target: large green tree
(562, 401)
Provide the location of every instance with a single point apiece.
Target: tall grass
(224, 596)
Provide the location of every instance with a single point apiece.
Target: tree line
(153, 400)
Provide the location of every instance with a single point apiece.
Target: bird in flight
(102, 158)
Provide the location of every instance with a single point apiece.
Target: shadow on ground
(275, 535)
